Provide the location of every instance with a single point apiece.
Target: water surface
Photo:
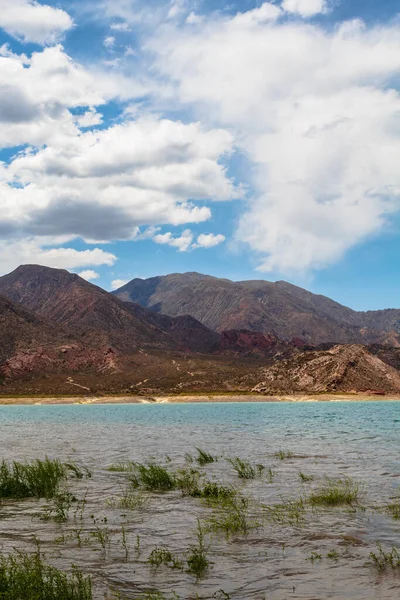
(359, 440)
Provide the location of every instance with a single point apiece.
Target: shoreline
(190, 399)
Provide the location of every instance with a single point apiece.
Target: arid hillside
(62, 334)
(349, 368)
(285, 310)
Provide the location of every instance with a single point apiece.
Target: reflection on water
(359, 440)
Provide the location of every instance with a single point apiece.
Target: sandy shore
(87, 400)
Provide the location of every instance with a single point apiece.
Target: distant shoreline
(190, 399)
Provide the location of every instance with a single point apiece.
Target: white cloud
(90, 118)
(182, 242)
(193, 18)
(89, 275)
(177, 7)
(102, 185)
(99, 185)
(39, 250)
(123, 26)
(209, 240)
(109, 42)
(305, 8)
(315, 110)
(30, 21)
(265, 13)
(118, 283)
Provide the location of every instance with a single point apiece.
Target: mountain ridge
(60, 332)
(280, 308)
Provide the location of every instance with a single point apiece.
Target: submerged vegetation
(245, 469)
(197, 560)
(204, 458)
(393, 508)
(38, 479)
(336, 492)
(384, 560)
(25, 576)
(227, 511)
(152, 477)
(233, 517)
(283, 454)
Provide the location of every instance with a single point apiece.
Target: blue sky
(246, 140)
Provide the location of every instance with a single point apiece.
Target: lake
(283, 555)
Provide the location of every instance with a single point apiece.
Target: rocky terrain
(350, 368)
(54, 323)
(60, 334)
(280, 308)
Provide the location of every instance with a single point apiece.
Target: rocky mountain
(20, 329)
(280, 308)
(98, 318)
(60, 333)
(350, 368)
(28, 344)
(78, 337)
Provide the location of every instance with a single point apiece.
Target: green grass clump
(121, 467)
(288, 512)
(383, 560)
(188, 481)
(197, 560)
(233, 519)
(153, 477)
(203, 457)
(314, 556)
(306, 478)
(283, 454)
(59, 511)
(130, 499)
(162, 556)
(245, 469)
(38, 479)
(26, 577)
(215, 494)
(393, 508)
(336, 492)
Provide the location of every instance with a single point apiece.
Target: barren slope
(341, 368)
(280, 308)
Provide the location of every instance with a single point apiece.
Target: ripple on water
(360, 440)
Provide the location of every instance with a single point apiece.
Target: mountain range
(280, 308)
(187, 332)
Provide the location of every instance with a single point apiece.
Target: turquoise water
(360, 440)
(370, 428)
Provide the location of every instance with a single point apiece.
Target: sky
(245, 140)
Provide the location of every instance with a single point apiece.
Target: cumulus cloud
(305, 8)
(316, 112)
(99, 185)
(209, 240)
(118, 283)
(89, 275)
(90, 118)
(182, 242)
(37, 95)
(30, 21)
(38, 250)
(102, 185)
